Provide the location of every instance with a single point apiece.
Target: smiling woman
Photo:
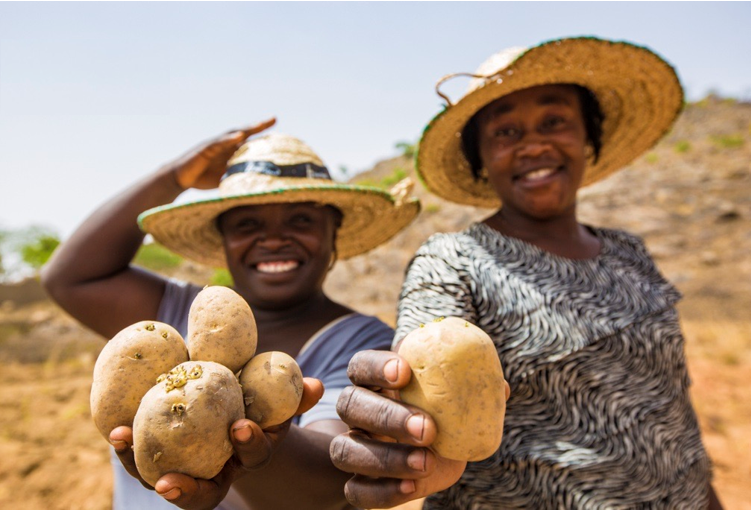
(279, 254)
(583, 322)
(278, 223)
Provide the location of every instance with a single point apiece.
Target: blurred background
(94, 96)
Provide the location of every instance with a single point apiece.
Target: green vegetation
(37, 251)
(221, 277)
(682, 146)
(714, 97)
(432, 208)
(730, 141)
(651, 157)
(24, 250)
(407, 149)
(387, 182)
(156, 257)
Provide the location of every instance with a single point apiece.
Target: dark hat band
(306, 170)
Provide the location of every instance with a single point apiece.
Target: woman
(278, 223)
(584, 324)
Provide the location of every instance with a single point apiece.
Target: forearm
(300, 475)
(89, 275)
(713, 502)
(107, 240)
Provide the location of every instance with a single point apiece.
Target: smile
(537, 175)
(277, 267)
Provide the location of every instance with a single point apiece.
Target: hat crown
(497, 62)
(277, 148)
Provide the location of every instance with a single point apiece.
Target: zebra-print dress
(599, 415)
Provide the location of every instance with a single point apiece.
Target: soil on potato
(689, 198)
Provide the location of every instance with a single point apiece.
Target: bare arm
(713, 502)
(301, 474)
(90, 275)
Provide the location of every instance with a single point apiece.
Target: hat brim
(370, 217)
(639, 94)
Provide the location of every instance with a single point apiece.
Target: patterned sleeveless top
(599, 415)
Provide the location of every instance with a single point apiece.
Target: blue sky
(94, 95)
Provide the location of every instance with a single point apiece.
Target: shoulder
(624, 242)
(365, 327)
(335, 345)
(450, 246)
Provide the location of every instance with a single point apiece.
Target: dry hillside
(689, 198)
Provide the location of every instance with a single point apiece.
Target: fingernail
(417, 460)
(407, 486)
(415, 426)
(391, 370)
(172, 494)
(119, 445)
(243, 434)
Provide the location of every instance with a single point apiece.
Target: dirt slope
(689, 198)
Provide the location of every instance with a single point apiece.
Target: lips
(277, 267)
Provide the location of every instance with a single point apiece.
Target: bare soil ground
(689, 198)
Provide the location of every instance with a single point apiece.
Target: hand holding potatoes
(388, 473)
(188, 414)
(252, 449)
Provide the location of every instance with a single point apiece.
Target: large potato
(221, 328)
(127, 367)
(272, 388)
(457, 379)
(183, 423)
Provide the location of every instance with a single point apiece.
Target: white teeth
(276, 267)
(539, 173)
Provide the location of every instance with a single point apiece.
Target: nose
(273, 240)
(533, 147)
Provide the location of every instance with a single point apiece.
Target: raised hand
(203, 166)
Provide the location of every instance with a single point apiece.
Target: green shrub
(431, 208)
(731, 141)
(397, 175)
(682, 146)
(221, 277)
(36, 252)
(407, 148)
(651, 157)
(156, 257)
(387, 182)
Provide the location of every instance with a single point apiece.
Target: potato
(127, 367)
(457, 379)
(183, 423)
(221, 328)
(272, 388)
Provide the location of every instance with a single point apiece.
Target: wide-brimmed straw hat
(638, 92)
(281, 169)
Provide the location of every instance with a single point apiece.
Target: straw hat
(639, 94)
(281, 169)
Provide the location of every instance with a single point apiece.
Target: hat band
(306, 170)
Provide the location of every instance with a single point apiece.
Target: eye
(301, 220)
(245, 225)
(553, 122)
(506, 132)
